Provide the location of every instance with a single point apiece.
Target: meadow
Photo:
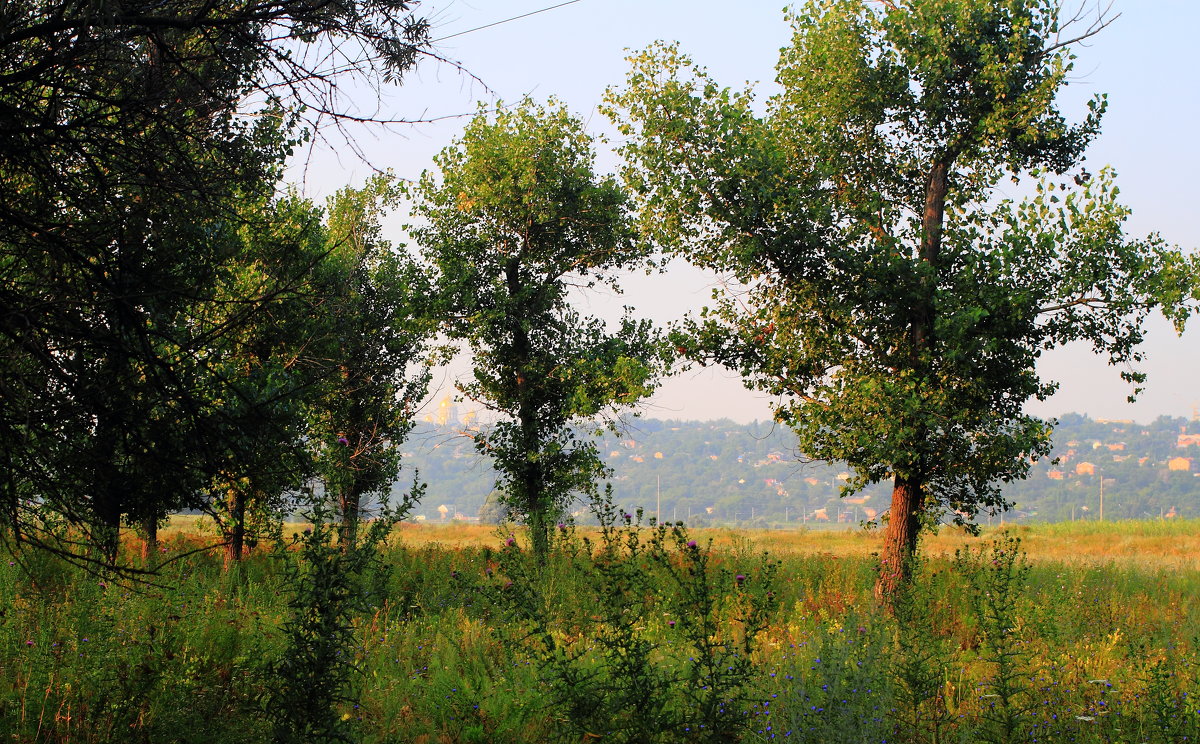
(1075, 632)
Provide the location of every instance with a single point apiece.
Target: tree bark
(237, 530)
(908, 492)
(109, 502)
(900, 539)
(150, 542)
(350, 504)
(529, 480)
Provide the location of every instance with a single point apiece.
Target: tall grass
(1075, 647)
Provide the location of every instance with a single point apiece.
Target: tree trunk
(237, 530)
(350, 504)
(150, 542)
(108, 528)
(900, 540)
(531, 497)
(539, 534)
(908, 498)
(108, 502)
(12, 503)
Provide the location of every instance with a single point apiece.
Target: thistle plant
(332, 583)
(997, 576)
(920, 661)
(617, 670)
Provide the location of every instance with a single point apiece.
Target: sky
(1142, 61)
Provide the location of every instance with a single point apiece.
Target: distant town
(751, 475)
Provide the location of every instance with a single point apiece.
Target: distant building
(1188, 440)
(1085, 468)
(1055, 475)
(447, 412)
(1183, 464)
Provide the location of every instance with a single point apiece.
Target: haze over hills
(725, 473)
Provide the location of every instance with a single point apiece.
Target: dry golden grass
(1162, 544)
(1122, 542)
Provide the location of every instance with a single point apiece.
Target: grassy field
(1082, 632)
(1153, 544)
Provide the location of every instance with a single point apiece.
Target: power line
(506, 20)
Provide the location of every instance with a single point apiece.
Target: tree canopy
(376, 330)
(877, 285)
(517, 222)
(134, 135)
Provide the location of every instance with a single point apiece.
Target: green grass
(1105, 651)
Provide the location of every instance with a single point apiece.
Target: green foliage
(373, 332)
(263, 371)
(650, 599)
(145, 144)
(877, 287)
(842, 697)
(330, 584)
(517, 221)
(997, 576)
(443, 652)
(920, 660)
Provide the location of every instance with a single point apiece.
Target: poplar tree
(878, 286)
(516, 223)
(375, 326)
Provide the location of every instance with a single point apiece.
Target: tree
(877, 287)
(376, 328)
(517, 222)
(267, 368)
(128, 148)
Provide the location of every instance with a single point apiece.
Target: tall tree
(125, 152)
(878, 287)
(376, 326)
(517, 222)
(266, 366)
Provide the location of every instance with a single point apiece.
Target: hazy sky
(1143, 61)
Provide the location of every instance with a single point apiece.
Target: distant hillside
(719, 472)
